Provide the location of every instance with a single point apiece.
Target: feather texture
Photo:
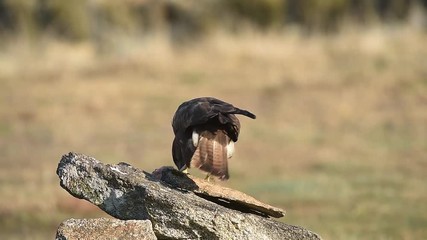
(211, 154)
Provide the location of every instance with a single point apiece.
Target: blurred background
(339, 88)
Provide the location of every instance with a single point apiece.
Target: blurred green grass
(340, 139)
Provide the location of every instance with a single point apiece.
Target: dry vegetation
(340, 140)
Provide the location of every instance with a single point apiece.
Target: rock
(105, 228)
(224, 196)
(177, 206)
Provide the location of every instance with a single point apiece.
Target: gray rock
(105, 228)
(227, 197)
(176, 212)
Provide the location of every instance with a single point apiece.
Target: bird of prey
(205, 131)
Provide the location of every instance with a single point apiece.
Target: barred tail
(211, 154)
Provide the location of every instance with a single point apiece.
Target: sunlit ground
(340, 139)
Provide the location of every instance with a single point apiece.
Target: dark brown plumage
(205, 132)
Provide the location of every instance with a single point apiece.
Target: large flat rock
(177, 208)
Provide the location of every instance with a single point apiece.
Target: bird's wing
(200, 110)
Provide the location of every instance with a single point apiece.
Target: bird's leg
(208, 177)
(184, 169)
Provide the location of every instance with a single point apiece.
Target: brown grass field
(340, 139)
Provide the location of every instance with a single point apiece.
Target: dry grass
(340, 140)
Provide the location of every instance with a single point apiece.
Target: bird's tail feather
(211, 154)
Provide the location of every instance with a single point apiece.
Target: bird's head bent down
(205, 132)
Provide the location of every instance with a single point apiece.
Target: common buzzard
(205, 132)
